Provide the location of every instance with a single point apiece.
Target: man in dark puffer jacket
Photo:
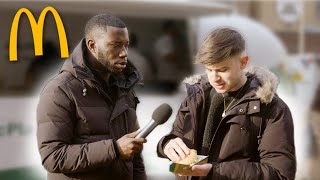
(233, 116)
(86, 115)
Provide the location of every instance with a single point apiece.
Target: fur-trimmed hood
(268, 82)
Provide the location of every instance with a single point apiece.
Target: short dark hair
(102, 21)
(219, 45)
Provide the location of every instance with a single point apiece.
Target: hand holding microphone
(132, 143)
(128, 145)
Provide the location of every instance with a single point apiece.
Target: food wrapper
(183, 168)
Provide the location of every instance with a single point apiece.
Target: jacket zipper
(100, 90)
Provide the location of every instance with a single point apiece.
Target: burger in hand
(192, 158)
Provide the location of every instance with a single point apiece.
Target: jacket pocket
(239, 140)
(94, 120)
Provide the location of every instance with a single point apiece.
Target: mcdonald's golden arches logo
(37, 32)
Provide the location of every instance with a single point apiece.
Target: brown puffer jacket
(235, 151)
(77, 132)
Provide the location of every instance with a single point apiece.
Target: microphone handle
(147, 129)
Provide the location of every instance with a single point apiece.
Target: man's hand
(128, 145)
(198, 170)
(176, 150)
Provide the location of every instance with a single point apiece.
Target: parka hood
(77, 67)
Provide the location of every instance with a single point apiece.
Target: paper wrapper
(182, 168)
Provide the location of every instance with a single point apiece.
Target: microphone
(159, 116)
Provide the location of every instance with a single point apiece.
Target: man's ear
(91, 45)
(244, 61)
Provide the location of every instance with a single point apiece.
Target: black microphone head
(162, 113)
